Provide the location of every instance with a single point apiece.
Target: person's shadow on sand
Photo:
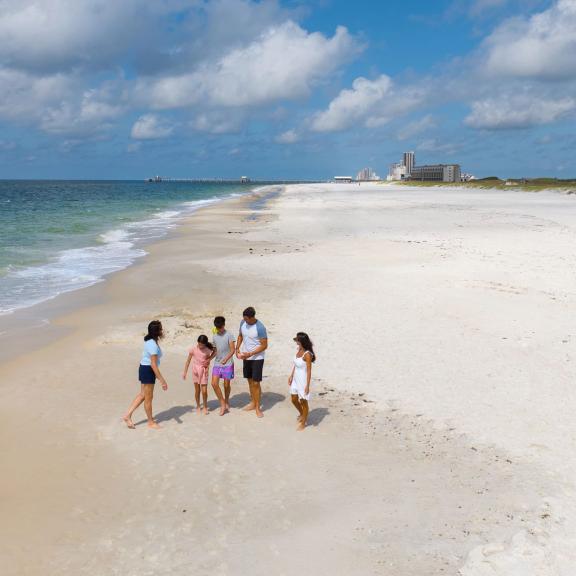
(269, 400)
(174, 413)
(316, 416)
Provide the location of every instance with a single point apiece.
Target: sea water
(59, 236)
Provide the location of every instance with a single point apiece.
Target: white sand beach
(442, 429)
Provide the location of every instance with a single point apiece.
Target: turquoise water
(58, 236)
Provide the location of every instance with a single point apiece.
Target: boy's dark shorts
(253, 370)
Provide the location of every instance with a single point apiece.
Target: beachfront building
(367, 175)
(402, 170)
(397, 172)
(409, 160)
(437, 173)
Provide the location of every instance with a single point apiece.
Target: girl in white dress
(300, 377)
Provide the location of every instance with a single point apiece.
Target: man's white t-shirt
(251, 336)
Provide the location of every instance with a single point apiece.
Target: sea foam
(77, 268)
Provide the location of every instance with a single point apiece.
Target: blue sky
(223, 88)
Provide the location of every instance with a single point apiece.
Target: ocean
(59, 236)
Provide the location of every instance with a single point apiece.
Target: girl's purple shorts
(225, 372)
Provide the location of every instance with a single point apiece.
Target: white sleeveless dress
(298, 385)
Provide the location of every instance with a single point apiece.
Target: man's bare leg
(256, 395)
(252, 404)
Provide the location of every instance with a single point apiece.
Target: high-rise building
(409, 160)
(366, 175)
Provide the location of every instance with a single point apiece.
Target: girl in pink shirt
(200, 356)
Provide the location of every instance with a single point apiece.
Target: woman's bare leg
(135, 403)
(296, 402)
(197, 395)
(148, 395)
(227, 390)
(218, 392)
(205, 397)
(305, 409)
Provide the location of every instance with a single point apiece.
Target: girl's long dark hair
(154, 331)
(303, 339)
(203, 339)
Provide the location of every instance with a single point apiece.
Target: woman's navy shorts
(146, 375)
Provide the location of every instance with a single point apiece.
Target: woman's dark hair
(203, 339)
(219, 322)
(249, 312)
(303, 339)
(155, 331)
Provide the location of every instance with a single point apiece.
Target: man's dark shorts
(253, 370)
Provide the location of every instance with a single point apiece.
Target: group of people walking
(250, 347)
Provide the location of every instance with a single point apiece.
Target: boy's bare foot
(198, 409)
(205, 411)
(301, 426)
(259, 413)
(223, 410)
(154, 425)
(128, 422)
(250, 406)
(227, 406)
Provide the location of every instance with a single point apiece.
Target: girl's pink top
(201, 357)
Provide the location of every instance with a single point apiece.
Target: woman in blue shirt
(148, 371)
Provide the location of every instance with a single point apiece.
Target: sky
(277, 89)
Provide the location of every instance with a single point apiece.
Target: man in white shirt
(250, 346)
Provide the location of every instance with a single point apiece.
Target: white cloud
(434, 145)
(215, 122)
(151, 127)
(518, 111)
(368, 103)
(61, 35)
(351, 106)
(416, 127)
(541, 47)
(91, 114)
(285, 62)
(24, 96)
(288, 137)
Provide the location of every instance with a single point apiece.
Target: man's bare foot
(250, 406)
(301, 426)
(198, 409)
(154, 425)
(128, 422)
(259, 413)
(223, 410)
(205, 411)
(227, 406)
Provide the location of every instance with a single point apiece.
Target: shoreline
(440, 432)
(41, 321)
